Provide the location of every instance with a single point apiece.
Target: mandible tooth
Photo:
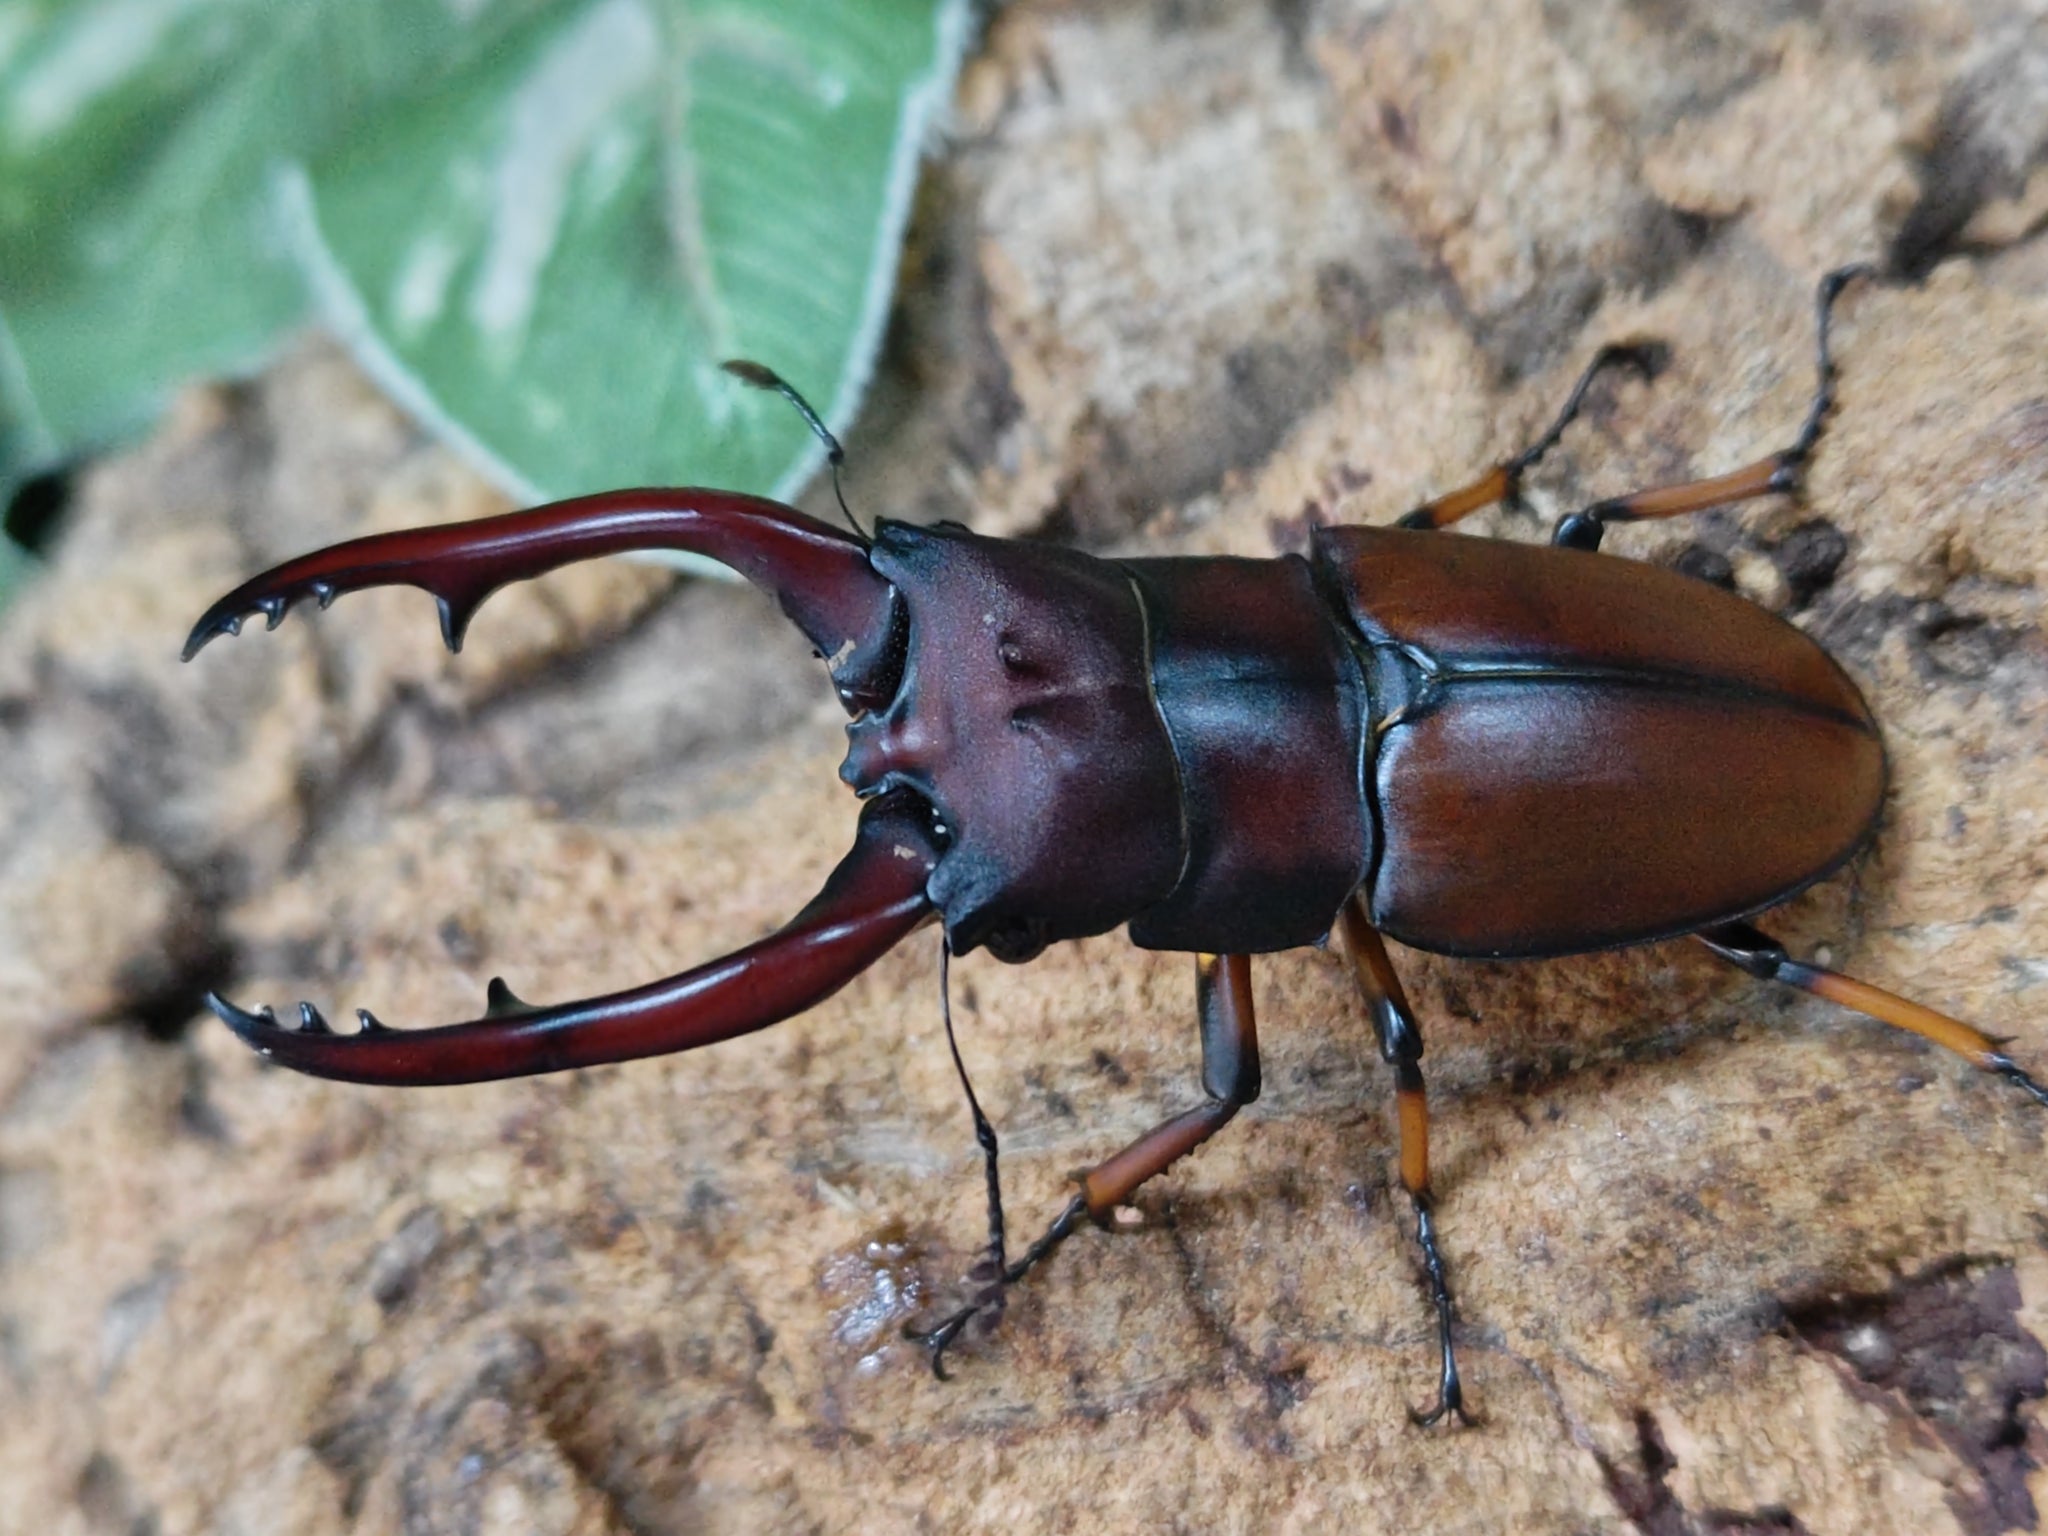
(501, 1002)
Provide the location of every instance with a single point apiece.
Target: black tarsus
(2014, 1073)
(761, 376)
(1450, 1394)
(938, 1339)
(1824, 297)
(1401, 1046)
(1645, 358)
(1230, 1078)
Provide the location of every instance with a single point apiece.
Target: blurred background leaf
(14, 567)
(539, 223)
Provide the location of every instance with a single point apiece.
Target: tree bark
(1186, 278)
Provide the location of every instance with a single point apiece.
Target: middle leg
(1401, 1046)
(1503, 482)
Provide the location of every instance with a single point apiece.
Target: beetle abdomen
(1573, 751)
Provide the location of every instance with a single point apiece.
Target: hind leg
(1775, 474)
(1764, 957)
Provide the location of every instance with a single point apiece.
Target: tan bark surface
(1186, 277)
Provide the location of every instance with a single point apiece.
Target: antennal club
(761, 376)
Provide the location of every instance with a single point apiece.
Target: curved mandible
(874, 898)
(820, 575)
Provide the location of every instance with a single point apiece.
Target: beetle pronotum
(1477, 747)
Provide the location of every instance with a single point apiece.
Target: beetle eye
(1015, 940)
(876, 688)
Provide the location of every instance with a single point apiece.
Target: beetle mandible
(1479, 748)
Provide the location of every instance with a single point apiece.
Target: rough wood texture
(1187, 277)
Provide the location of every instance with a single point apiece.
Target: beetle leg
(1401, 1047)
(871, 900)
(989, 1272)
(1230, 1078)
(1774, 474)
(1764, 957)
(1503, 483)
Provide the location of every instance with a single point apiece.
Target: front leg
(1230, 1079)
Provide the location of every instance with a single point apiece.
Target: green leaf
(541, 225)
(17, 565)
(139, 140)
(619, 199)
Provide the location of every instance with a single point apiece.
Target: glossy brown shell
(1571, 751)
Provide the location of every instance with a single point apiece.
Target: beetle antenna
(762, 376)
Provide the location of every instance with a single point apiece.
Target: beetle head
(1023, 714)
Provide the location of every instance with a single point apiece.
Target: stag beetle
(1478, 748)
